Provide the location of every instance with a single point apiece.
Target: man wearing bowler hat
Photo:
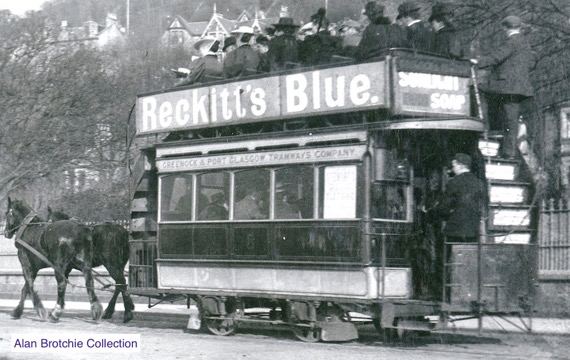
(283, 48)
(508, 83)
(380, 34)
(417, 31)
(445, 41)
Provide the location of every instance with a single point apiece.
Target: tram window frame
(220, 208)
(182, 190)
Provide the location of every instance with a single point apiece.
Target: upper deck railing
(401, 83)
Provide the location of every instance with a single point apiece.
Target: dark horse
(110, 249)
(64, 244)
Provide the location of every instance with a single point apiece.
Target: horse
(62, 245)
(110, 249)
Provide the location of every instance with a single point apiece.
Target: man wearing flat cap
(283, 47)
(508, 83)
(380, 34)
(417, 31)
(463, 202)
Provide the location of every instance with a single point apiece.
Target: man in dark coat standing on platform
(463, 202)
(283, 47)
(418, 34)
(509, 82)
(445, 40)
(380, 34)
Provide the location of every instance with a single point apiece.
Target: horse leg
(96, 308)
(120, 287)
(17, 312)
(60, 303)
(29, 277)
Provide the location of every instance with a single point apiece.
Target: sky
(19, 7)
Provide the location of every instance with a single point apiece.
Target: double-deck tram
(295, 198)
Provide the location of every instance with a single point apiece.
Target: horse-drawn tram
(300, 193)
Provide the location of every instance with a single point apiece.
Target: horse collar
(27, 220)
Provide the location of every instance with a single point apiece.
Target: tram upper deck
(413, 90)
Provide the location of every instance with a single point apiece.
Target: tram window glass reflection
(212, 199)
(390, 189)
(250, 195)
(338, 192)
(176, 197)
(294, 187)
(389, 200)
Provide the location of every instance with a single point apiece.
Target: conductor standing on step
(463, 201)
(509, 82)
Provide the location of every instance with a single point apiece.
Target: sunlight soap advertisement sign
(340, 192)
(431, 93)
(333, 90)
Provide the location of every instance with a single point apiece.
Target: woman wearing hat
(207, 67)
(283, 48)
(243, 60)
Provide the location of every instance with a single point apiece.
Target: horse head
(15, 214)
(54, 216)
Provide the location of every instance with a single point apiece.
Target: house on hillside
(94, 34)
(181, 32)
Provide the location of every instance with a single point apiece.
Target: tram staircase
(505, 282)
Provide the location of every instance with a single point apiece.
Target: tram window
(389, 200)
(250, 196)
(176, 196)
(338, 192)
(294, 187)
(212, 200)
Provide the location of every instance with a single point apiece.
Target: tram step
(517, 237)
(338, 331)
(502, 170)
(511, 217)
(503, 192)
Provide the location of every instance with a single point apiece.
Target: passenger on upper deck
(350, 32)
(380, 34)
(319, 47)
(243, 60)
(445, 40)
(229, 45)
(283, 48)
(417, 31)
(262, 47)
(207, 67)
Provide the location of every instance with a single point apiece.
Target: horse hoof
(53, 319)
(16, 314)
(108, 314)
(128, 317)
(96, 311)
(43, 314)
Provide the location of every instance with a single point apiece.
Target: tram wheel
(389, 335)
(307, 334)
(221, 326)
